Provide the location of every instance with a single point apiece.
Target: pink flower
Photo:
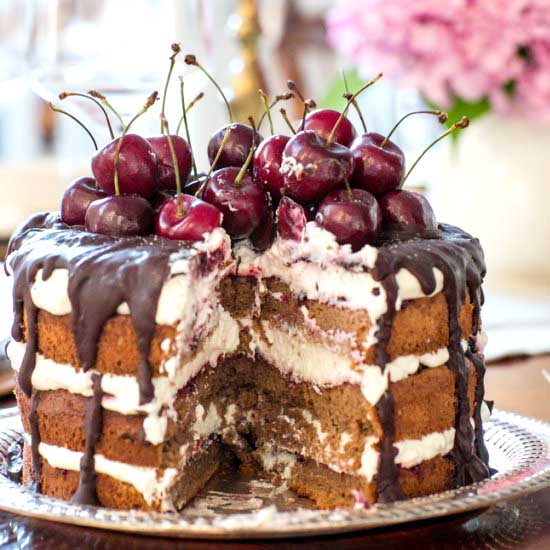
(465, 48)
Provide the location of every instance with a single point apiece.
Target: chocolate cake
(167, 324)
(348, 375)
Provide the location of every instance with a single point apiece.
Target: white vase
(495, 183)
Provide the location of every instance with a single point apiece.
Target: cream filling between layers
(152, 484)
(318, 268)
(410, 452)
(123, 390)
(315, 363)
(182, 300)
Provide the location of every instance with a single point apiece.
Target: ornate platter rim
(524, 441)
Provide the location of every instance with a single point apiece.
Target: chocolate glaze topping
(104, 272)
(460, 258)
(93, 424)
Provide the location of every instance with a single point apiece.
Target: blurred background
(488, 60)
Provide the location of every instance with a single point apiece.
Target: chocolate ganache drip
(459, 257)
(93, 424)
(104, 272)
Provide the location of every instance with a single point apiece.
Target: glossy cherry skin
(158, 198)
(166, 176)
(198, 218)
(137, 166)
(244, 206)
(403, 209)
(291, 220)
(262, 236)
(236, 147)
(76, 199)
(354, 221)
(312, 168)
(194, 185)
(322, 121)
(120, 216)
(267, 164)
(377, 170)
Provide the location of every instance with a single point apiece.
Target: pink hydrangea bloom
(464, 48)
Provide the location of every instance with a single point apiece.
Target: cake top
(322, 172)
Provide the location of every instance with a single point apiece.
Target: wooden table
(518, 386)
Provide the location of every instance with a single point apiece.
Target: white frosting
(180, 297)
(123, 390)
(277, 459)
(319, 268)
(151, 483)
(410, 452)
(316, 363)
(206, 424)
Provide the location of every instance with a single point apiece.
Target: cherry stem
(308, 103)
(226, 135)
(58, 110)
(245, 166)
(267, 108)
(166, 129)
(441, 115)
(150, 101)
(459, 125)
(187, 133)
(192, 103)
(254, 131)
(175, 51)
(285, 118)
(330, 138)
(64, 95)
(192, 60)
(214, 162)
(347, 95)
(278, 98)
(348, 189)
(103, 99)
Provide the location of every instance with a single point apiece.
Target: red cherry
(166, 177)
(291, 220)
(198, 218)
(237, 146)
(158, 198)
(194, 185)
(137, 166)
(352, 220)
(244, 204)
(262, 237)
(267, 164)
(120, 216)
(322, 121)
(312, 167)
(76, 199)
(407, 210)
(378, 169)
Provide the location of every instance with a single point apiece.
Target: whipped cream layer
(318, 268)
(123, 390)
(410, 453)
(182, 300)
(304, 361)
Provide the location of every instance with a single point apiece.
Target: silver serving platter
(233, 507)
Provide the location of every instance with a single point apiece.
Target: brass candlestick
(250, 78)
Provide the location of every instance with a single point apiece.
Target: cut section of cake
(346, 375)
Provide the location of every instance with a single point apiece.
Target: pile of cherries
(349, 184)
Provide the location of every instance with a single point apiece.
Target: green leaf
(332, 98)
